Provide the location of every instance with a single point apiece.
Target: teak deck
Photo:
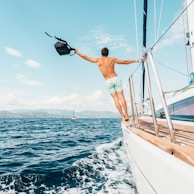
(182, 148)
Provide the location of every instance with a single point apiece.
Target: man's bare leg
(118, 105)
(124, 104)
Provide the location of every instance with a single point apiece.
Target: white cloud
(101, 38)
(32, 63)
(13, 52)
(20, 99)
(93, 101)
(8, 98)
(26, 81)
(94, 98)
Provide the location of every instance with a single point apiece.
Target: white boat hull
(154, 170)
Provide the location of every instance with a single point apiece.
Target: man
(106, 66)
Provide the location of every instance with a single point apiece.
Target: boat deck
(183, 147)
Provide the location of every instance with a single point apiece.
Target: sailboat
(73, 116)
(160, 142)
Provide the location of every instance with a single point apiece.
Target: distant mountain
(56, 113)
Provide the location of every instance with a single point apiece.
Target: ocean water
(82, 156)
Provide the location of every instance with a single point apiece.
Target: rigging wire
(155, 20)
(172, 69)
(136, 69)
(137, 40)
(159, 21)
(171, 25)
(186, 53)
(136, 31)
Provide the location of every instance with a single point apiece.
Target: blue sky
(34, 76)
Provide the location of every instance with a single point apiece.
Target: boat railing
(133, 102)
(135, 115)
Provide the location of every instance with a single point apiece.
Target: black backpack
(61, 46)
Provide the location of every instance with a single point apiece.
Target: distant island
(56, 113)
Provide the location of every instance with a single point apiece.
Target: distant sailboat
(74, 116)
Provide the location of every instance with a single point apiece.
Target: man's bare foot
(123, 118)
(126, 118)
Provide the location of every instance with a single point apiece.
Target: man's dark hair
(104, 52)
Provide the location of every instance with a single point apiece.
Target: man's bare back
(106, 66)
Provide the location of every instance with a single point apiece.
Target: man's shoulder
(111, 58)
(107, 59)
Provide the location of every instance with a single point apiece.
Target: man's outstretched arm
(93, 60)
(118, 61)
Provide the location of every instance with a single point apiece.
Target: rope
(179, 90)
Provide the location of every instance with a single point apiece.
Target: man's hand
(76, 51)
(140, 60)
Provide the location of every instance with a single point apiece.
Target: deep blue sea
(82, 156)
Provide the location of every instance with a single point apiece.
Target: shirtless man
(106, 66)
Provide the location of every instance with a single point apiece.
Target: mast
(190, 14)
(144, 46)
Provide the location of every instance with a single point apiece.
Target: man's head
(104, 52)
